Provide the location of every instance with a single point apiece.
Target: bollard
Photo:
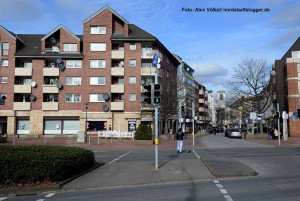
(14, 141)
(45, 140)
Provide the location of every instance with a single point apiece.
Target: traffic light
(298, 110)
(156, 94)
(182, 111)
(147, 95)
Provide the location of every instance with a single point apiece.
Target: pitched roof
(56, 29)
(294, 47)
(101, 10)
(11, 34)
(135, 33)
(32, 47)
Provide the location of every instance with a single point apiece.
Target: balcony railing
(148, 71)
(117, 71)
(21, 71)
(22, 106)
(52, 49)
(51, 72)
(117, 106)
(117, 54)
(117, 88)
(50, 89)
(22, 89)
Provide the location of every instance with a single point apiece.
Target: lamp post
(85, 133)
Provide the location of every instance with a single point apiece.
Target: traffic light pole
(156, 125)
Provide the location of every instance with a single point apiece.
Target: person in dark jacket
(179, 138)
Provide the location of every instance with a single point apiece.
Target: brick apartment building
(51, 82)
(287, 75)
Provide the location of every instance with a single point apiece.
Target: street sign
(155, 60)
(253, 115)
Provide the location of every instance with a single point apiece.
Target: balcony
(22, 106)
(117, 71)
(117, 88)
(51, 72)
(22, 89)
(201, 109)
(201, 100)
(52, 49)
(201, 92)
(117, 54)
(50, 106)
(20, 71)
(50, 89)
(149, 55)
(148, 71)
(117, 106)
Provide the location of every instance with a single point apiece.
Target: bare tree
(251, 82)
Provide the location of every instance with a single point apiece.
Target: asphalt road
(278, 175)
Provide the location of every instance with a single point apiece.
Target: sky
(211, 42)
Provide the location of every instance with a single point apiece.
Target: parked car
(233, 133)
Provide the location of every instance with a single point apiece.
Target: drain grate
(26, 194)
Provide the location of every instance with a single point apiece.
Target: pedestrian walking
(179, 138)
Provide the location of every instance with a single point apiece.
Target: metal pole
(278, 126)
(156, 125)
(193, 119)
(85, 133)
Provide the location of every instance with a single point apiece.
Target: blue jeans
(179, 145)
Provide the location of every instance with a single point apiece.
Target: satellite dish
(59, 60)
(61, 66)
(32, 97)
(158, 66)
(52, 40)
(3, 97)
(105, 96)
(59, 85)
(33, 84)
(105, 108)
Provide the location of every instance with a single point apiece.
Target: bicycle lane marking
(119, 158)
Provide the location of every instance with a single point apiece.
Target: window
(73, 80)
(147, 50)
(4, 79)
(70, 47)
(98, 47)
(96, 98)
(121, 97)
(97, 63)
(73, 98)
(73, 64)
(27, 64)
(146, 65)
(5, 49)
(120, 81)
(97, 80)
(132, 62)
(4, 62)
(132, 46)
(132, 80)
(98, 30)
(132, 97)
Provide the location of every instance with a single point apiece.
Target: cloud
(288, 15)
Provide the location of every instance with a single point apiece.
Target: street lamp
(85, 133)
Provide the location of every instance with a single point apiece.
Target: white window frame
(74, 81)
(4, 62)
(97, 47)
(3, 79)
(132, 79)
(5, 51)
(74, 98)
(96, 98)
(132, 46)
(132, 64)
(70, 47)
(100, 63)
(132, 97)
(98, 30)
(97, 80)
(72, 63)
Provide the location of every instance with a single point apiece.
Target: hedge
(143, 132)
(31, 164)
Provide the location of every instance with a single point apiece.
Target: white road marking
(219, 185)
(228, 198)
(196, 154)
(40, 199)
(50, 195)
(216, 181)
(119, 158)
(3, 198)
(223, 191)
